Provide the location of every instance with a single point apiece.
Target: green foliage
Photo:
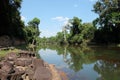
(11, 23)
(32, 31)
(76, 26)
(77, 33)
(80, 33)
(45, 40)
(88, 31)
(60, 37)
(34, 23)
(108, 21)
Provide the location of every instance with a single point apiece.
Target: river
(84, 63)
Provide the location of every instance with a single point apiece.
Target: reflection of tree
(78, 57)
(75, 57)
(108, 70)
(107, 60)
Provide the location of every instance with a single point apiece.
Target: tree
(35, 22)
(76, 26)
(108, 21)
(80, 33)
(10, 21)
(74, 32)
(60, 37)
(65, 30)
(75, 29)
(32, 31)
(88, 31)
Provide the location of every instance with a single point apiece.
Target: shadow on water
(85, 63)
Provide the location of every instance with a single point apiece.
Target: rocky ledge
(25, 66)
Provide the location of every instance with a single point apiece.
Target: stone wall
(6, 41)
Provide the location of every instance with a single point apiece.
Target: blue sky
(53, 14)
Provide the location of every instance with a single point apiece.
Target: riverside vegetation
(103, 30)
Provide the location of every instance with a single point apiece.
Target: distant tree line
(103, 30)
(75, 32)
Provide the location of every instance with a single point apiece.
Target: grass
(15, 49)
(4, 52)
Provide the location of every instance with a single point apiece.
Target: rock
(28, 62)
(38, 71)
(29, 73)
(37, 63)
(5, 41)
(42, 73)
(26, 54)
(27, 67)
(20, 62)
(11, 56)
(7, 67)
(23, 62)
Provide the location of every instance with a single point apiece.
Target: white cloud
(62, 19)
(23, 18)
(47, 33)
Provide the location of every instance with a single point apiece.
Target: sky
(54, 14)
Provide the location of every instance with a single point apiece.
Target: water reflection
(78, 57)
(107, 70)
(88, 63)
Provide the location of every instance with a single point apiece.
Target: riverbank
(25, 66)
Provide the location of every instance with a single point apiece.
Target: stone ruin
(25, 66)
(6, 41)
